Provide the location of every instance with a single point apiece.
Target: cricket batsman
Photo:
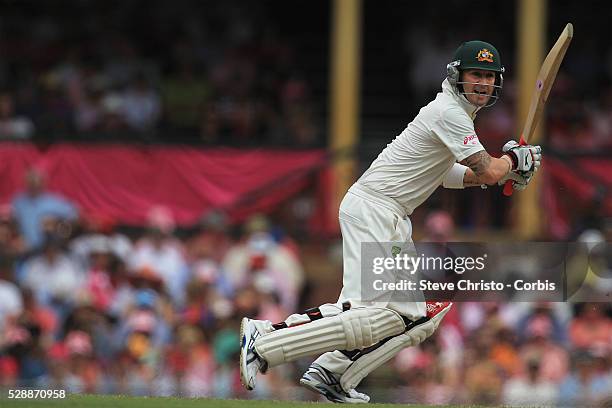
(439, 147)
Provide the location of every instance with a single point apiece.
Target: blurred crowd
(217, 73)
(86, 308)
(237, 73)
(516, 354)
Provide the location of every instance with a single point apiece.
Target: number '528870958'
(36, 394)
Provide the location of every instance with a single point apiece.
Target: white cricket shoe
(324, 382)
(250, 362)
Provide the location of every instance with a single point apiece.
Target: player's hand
(520, 186)
(519, 180)
(524, 158)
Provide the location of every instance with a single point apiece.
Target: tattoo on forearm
(478, 162)
(470, 179)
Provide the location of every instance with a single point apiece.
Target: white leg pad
(354, 329)
(375, 358)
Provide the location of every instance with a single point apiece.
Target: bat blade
(544, 82)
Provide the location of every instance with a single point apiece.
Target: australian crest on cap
(485, 55)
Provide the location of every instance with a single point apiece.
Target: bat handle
(508, 186)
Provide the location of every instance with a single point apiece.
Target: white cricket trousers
(367, 216)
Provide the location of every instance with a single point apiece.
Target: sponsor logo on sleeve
(472, 139)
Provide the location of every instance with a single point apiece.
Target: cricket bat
(544, 83)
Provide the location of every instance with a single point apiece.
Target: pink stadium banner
(125, 182)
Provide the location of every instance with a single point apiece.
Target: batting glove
(520, 186)
(520, 180)
(524, 158)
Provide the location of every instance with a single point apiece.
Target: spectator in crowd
(141, 104)
(98, 282)
(83, 374)
(422, 374)
(295, 123)
(11, 301)
(34, 204)
(439, 227)
(122, 291)
(102, 252)
(9, 367)
(57, 366)
(202, 301)
(141, 336)
(261, 261)
(585, 386)
(13, 126)
(57, 111)
(301, 129)
(504, 352)
(530, 389)
(198, 377)
(225, 349)
(43, 317)
(100, 231)
(212, 239)
(553, 359)
(25, 339)
(601, 119)
(162, 253)
(483, 381)
(88, 114)
(52, 276)
(542, 312)
(113, 107)
(11, 243)
(591, 329)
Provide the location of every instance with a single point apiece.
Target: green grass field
(99, 401)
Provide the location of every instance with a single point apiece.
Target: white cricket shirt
(414, 164)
